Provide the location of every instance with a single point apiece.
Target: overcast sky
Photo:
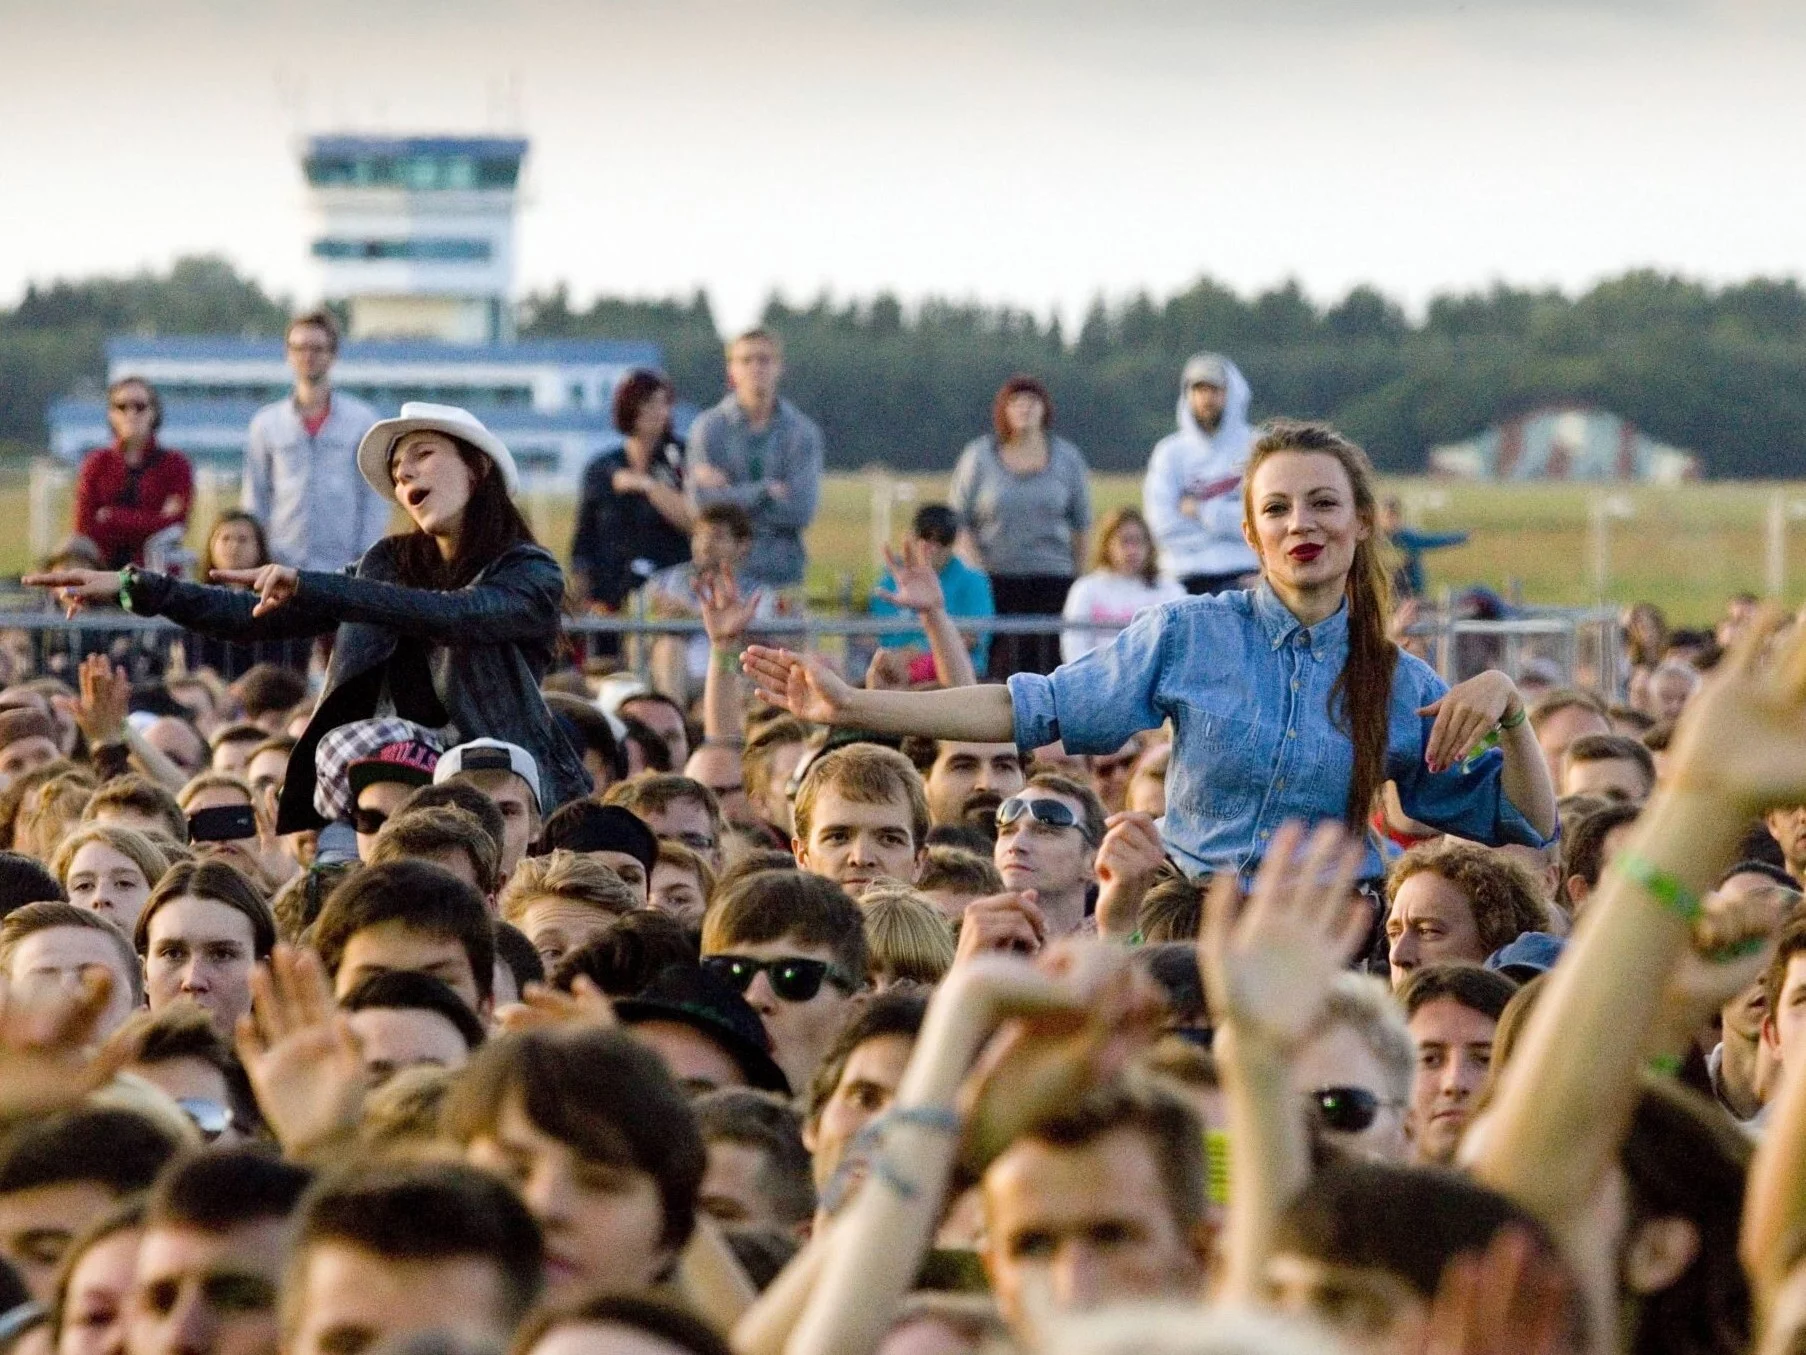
(1039, 151)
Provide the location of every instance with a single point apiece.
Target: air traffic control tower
(415, 235)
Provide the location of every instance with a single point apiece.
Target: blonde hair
(48, 811)
(1106, 532)
(143, 850)
(215, 781)
(866, 774)
(906, 936)
(575, 876)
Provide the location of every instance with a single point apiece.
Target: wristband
(127, 577)
(726, 661)
(1665, 1065)
(1513, 721)
(1660, 885)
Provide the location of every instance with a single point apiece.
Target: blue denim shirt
(1247, 689)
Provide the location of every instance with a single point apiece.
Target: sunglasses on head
(792, 977)
(1347, 1110)
(368, 822)
(1050, 812)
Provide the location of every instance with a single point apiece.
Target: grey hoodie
(1206, 468)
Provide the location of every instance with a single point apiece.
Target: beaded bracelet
(1665, 888)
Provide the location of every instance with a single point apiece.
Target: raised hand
(1507, 1300)
(1000, 922)
(918, 587)
(78, 588)
(725, 614)
(273, 584)
(541, 1007)
(888, 671)
(1742, 736)
(48, 1058)
(106, 694)
(1465, 714)
(802, 684)
(304, 1061)
(1128, 861)
(1268, 971)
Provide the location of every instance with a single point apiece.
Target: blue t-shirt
(968, 593)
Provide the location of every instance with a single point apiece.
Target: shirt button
(1291, 733)
(1279, 784)
(1296, 684)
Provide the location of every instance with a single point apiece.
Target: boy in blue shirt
(967, 590)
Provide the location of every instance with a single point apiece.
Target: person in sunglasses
(1047, 840)
(793, 944)
(1452, 1011)
(1289, 700)
(128, 492)
(380, 783)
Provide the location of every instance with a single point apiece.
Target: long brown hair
(1106, 533)
(492, 526)
(1360, 703)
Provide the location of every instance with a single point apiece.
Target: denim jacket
(469, 657)
(1247, 689)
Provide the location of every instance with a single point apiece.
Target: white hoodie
(1207, 468)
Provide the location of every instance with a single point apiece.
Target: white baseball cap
(489, 755)
(417, 416)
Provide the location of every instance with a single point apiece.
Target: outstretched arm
(806, 687)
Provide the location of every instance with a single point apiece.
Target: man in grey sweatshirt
(762, 453)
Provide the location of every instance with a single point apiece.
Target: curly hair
(1501, 894)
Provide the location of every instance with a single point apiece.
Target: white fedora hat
(417, 416)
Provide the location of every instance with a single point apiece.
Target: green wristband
(1513, 721)
(127, 577)
(1660, 885)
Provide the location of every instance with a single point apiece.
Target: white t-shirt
(1110, 601)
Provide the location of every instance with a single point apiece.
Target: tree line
(1718, 370)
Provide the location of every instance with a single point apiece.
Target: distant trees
(1721, 371)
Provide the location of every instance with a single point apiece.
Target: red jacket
(134, 511)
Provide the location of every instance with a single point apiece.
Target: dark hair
(633, 391)
(210, 878)
(1090, 805)
(1583, 851)
(493, 525)
(774, 905)
(428, 1212)
(1684, 1158)
(1485, 991)
(764, 1122)
(236, 516)
(125, 1217)
(151, 397)
(1172, 910)
(24, 880)
(730, 517)
(409, 990)
(1791, 942)
(518, 955)
(657, 791)
(1409, 1222)
(655, 753)
(269, 689)
(1611, 748)
(1017, 385)
(634, 950)
(602, 1093)
(183, 1030)
(1360, 701)
(886, 1014)
(217, 1190)
(238, 733)
(1768, 870)
(423, 896)
(593, 732)
(1174, 966)
(935, 522)
(670, 1324)
(460, 795)
(957, 868)
(1566, 698)
(120, 1150)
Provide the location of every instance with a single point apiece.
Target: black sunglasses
(792, 977)
(1050, 812)
(131, 406)
(368, 822)
(1347, 1110)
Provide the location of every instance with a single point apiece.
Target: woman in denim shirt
(1288, 701)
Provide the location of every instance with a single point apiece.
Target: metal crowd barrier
(1584, 646)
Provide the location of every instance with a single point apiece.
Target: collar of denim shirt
(1280, 625)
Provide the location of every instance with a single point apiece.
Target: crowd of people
(1235, 984)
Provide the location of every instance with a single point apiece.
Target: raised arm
(916, 587)
(725, 617)
(1565, 1100)
(1268, 975)
(1469, 711)
(804, 685)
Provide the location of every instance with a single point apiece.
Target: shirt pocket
(1232, 765)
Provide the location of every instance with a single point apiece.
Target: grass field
(1685, 548)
